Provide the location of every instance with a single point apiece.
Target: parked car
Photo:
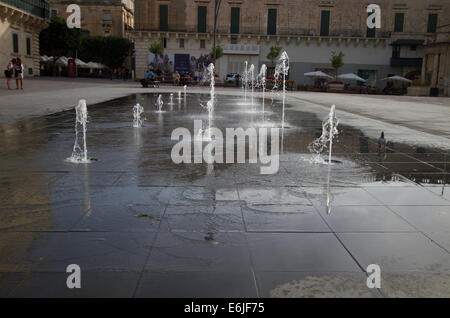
(231, 78)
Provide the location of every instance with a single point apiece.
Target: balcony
(40, 8)
(404, 61)
(107, 22)
(243, 49)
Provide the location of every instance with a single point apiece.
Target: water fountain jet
(329, 131)
(159, 104)
(138, 121)
(79, 155)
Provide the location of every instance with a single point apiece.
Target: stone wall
(93, 16)
(25, 25)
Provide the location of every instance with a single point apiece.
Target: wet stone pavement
(139, 225)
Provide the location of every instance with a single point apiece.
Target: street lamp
(216, 14)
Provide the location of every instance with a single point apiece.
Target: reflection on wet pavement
(140, 225)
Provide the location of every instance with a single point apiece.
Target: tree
(274, 53)
(109, 50)
(216, 15)
(337, 61)
(217, 54)
(156, 48)
(58, 40)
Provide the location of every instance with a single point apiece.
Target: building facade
(100, 17)
(20, 24)
(308, 30)
(436, 62)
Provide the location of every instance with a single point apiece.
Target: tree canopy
(337, 60)
(219, 52)
(273, 53)
(58, 40)
(156, 48)
(109, 50)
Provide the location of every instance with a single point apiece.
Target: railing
(40, 8)
(241, 49)
(256, 31)
(405, 61)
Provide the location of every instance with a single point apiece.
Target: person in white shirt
(18, 73)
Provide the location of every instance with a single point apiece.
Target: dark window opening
(325, 23)
(399, 22)
(201, 19)
(432, 23)
(235, 17)
(15, 38)
(163, 17)
(28, 46)
(370, 32)
(272, 21)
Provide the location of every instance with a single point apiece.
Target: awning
(397, 78)
(351, 76)
(318, 74)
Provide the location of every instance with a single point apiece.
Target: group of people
(14, 68)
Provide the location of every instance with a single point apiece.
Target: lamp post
(216, 14)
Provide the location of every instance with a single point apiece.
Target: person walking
(382, 146)
(9, 72)
(18, 73)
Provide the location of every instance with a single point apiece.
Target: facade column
(434, 77)
(424, 69)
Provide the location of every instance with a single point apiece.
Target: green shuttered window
(399, 22)
(15, 39)
(432, 22)
(235, 17)
(163, 17)
(325, 23)
(370, 32)
(201, 19)
(272, 21)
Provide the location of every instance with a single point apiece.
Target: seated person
(148, 78)
(176, 78)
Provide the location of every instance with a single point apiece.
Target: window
(28, 46)
(370, 32)
(107, 16)
(235, 17)
(181, 43)
(202, 44)
(233, 40)
(163, 17)
(272, 21)
(399, 22)
(201, 19)
(432, 23)
(54, 12)
(30, 71)
(107, 33)
(325, 23)
(15, 38)
(164, 43)
(413, 47)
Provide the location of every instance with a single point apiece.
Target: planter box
(335, 86)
